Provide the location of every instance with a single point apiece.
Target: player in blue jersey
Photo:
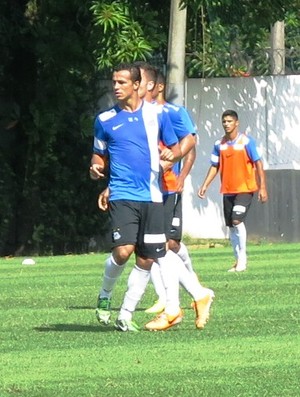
(172, 266)
(173, 184)
(126, 143)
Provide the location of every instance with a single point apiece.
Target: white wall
(269, 110)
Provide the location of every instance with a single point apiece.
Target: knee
(121, 254)
(235, 222)
(143, 263)
(174, 245)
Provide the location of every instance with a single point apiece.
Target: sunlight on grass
(52, 345)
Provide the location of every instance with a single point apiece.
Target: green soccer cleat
(126, 325)
(103, 310)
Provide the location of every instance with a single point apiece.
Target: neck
(131, 105)
(160, 100)
(232, 136)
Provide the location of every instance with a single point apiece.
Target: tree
(230, 38)
(52, 55)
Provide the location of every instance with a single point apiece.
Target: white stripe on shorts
(239, 208)
(155, 238)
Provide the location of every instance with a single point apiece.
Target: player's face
(146, 86)
(143, 85)
(124, 87)
(155, 91)
(230, 125)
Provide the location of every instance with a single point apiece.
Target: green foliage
(123, 32)
(226, 38)
(52, 345)
(49, 198)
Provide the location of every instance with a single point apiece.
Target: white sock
(185, 257)
(112, 272)
(241, 234)
(136, 286)
(170, 278)
(158, 282)
(234, 242)
(190, 282)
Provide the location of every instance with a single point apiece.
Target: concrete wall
(269, 110)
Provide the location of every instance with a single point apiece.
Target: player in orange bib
(236, 157)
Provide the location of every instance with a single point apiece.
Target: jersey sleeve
(215, 155)
(100, 143)
(251, 148)
(188, 124)
(167, 133)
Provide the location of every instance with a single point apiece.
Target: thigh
(228, 203)
(176, 227)
(151, 236)
(242, 203)
(124, 217)
(169, 205)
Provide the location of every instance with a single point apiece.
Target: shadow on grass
(114, 309)
(73, 328)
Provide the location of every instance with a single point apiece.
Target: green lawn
(52, 345)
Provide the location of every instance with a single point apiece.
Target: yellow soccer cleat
(158, 307)
(202, 307)
(164, 321)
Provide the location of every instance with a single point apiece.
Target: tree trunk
(176, 54)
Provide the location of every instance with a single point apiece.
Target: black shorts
(173, 216)
(236, 207)
(140, 224)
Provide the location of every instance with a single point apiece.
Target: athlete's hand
(262, 195)
(166, 165)
(96, 172)
(166, 154)
(180, 184)
(103, 199)
(202, 191)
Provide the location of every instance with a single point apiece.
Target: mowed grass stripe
(51, 344)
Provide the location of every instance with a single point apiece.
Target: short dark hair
(231, 113)
(135, 72)
(161, 79)
(150, 70)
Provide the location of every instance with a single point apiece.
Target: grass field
(52, 345)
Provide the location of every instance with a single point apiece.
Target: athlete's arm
(187, 143)
(103, 199)
(188, 163)
(262, 191)
(212, 172)
(97, 167)
(171, 153)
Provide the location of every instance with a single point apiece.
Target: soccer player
(173, 185)
(236, 157)
(126, 143)
(177, 272)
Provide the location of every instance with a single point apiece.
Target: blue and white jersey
(180, 119)
(183, 126)
(242, 141)
(130, 140)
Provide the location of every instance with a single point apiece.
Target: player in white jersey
(126, 142)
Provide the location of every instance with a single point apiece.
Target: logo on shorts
(160, 249)
(116, 235)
